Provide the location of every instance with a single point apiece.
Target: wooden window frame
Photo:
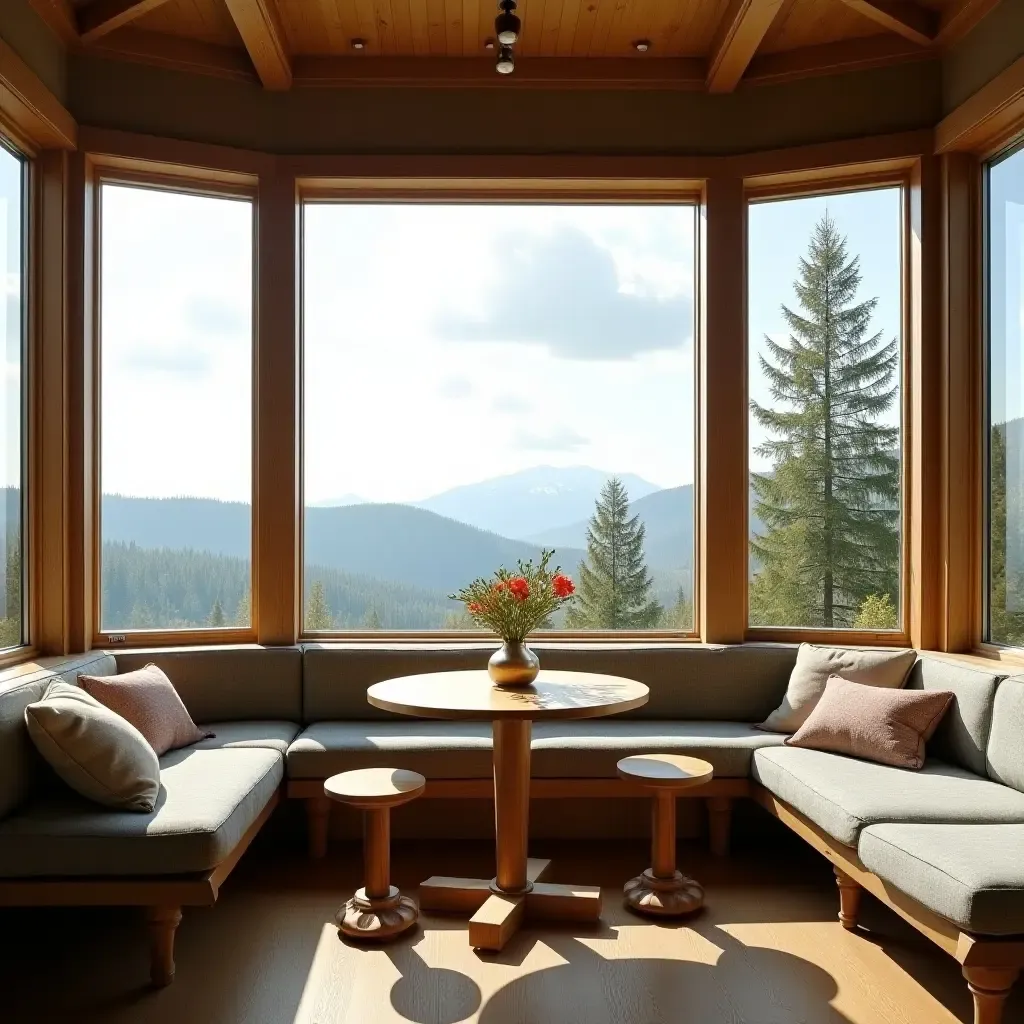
(189, 180)
(495, 186)
(832, 181)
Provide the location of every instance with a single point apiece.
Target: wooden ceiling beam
(104, 16)
(959, 18)
(176, 53)
(918, 24)
(59, 17)
(259, 25)
(739, 34)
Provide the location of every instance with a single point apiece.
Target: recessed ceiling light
(642, 45)
(358, 44)
(488, 44)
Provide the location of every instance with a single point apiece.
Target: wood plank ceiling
(712, 44)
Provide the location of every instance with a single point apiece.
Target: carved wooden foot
(849, 899)
(990, 986)
(376, 920)
(719, 824)
(162, 923)
(318, 812)
(663, 897)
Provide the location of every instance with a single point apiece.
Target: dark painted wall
(23, 30)
(996, 42)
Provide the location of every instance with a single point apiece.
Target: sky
(443, 344)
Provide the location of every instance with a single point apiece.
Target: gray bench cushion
(462, 750)
(228, 684)
(962, 736)
(743, 683)
(208, 799)
(972, 875)
(268, 735)
(842, 795)
(1005, 760)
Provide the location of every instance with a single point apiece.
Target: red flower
(499, 586)
(519, 588)
(474, 607)
(562, 585)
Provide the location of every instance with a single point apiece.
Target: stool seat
(665, 771)
(373, 788)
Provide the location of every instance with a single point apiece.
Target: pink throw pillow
(887, 726)
(147, 699)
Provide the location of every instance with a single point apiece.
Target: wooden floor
(768, 950)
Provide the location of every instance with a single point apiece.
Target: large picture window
(483, 382)
(825, 364)
(176, 409)
(13, 190)
(1005, 320)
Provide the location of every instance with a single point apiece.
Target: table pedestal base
(497, 915)
(377, 918)
(665, 897)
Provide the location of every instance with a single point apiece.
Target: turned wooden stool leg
(378, 911)
(989, 986)
(661, 889)
(849, 899)
(162, 922)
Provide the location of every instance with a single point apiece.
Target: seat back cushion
(1005, 757)
(962, 736)
(695, 682)
(20, 764)
(240, 683)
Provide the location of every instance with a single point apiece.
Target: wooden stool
(378, 911)
(662, 890)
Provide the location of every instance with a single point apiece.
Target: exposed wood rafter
(259, 25)
(915, 23)
(59, 17)
(174, 52)
(739, 35)
(104, 16)
(959, 18)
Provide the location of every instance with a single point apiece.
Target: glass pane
(12, 321)
(176, 378)
(482, 382)
(1005, 400)
(824, 301)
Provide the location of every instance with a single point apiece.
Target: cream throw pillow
(814, 665)
(95, 751)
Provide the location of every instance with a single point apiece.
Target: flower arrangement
(513, 604)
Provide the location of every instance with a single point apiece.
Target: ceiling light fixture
(488, 44)
(642, 45)
(506, 61)
(358, 44)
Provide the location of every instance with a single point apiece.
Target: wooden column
(49, 365)
(277, 509)
(962, 435)
(82, 399)
(923, 356)
(512, 802)
(722, 414)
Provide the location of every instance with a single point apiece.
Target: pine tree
(372, 619)
(1006, 596)
(318, 614)
(614, 584)
(216, 619)
(830, 505)
(680, 615)
(243, 613)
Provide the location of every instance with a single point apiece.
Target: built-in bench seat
(561, 750)
(842, 795)
(972, 875)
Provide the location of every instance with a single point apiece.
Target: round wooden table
(499, 904)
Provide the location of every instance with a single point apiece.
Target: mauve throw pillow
(147, 699)
(887, 726)
(814, 665)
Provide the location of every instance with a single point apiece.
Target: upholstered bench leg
(849, 899)
(318, 811)
(163, 922)
(719, 824)
(990, 986)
